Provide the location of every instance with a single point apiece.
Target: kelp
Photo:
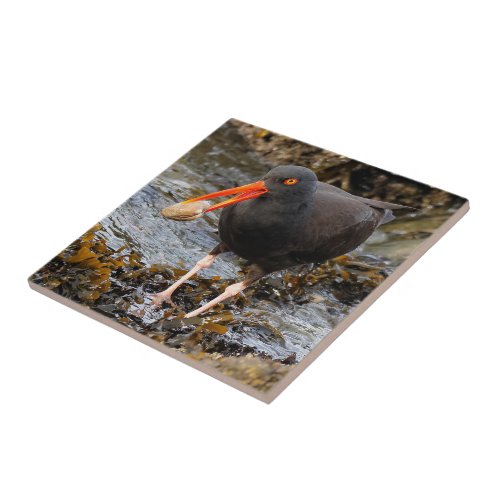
(83, 271)
(117, 284)
(351, 175)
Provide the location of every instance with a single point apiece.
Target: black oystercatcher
(285, 219)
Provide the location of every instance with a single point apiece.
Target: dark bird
(286, 219)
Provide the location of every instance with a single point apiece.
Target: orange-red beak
(246, 192)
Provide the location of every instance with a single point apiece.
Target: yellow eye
(291, 181)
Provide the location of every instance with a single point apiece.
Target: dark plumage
(307, 222)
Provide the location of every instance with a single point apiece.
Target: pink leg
(166, 295)
(229, 292)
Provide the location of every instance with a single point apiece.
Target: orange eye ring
(291, 181)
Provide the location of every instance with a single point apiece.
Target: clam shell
(185, 211)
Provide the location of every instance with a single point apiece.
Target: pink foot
(159, 298)
(230, 291)
(166, 295)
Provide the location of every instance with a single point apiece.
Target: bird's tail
(388, 210)
(387, 217)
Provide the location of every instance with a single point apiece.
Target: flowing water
(283, 316)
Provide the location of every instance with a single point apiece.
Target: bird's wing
(324, 187)
(338, 224)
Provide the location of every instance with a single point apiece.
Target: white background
(99, 97)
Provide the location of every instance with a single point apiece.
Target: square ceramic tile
(313, 236)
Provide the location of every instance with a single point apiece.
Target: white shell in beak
(185, 211)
